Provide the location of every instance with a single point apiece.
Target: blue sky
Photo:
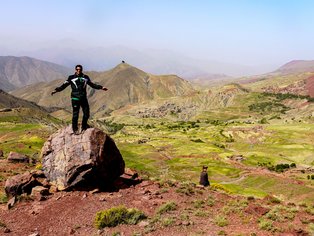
(235, 31)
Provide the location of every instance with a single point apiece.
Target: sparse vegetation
(118, 215)
(279, 167)
(221, 221)
(266, 225)
(186, 188)
(169, 206)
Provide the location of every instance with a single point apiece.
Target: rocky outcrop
(17, 157)
(81, 161)
(22, 183)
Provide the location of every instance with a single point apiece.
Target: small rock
(143, 223)
(39, 193)
(53, 189)
(11, 203)
(146, 191)
(71, 231)
(84, 196)
(96, 190)
(102, 199)
(34, 234)
(100, 231)
(17, 157)
(7, 230)
(185, 223)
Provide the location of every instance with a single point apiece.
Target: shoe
(76, 132)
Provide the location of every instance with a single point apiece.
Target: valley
(256, 135)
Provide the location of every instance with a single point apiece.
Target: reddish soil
(310, 86)
(73, 213)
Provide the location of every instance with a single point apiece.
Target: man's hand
(53, 92)
(105, 89)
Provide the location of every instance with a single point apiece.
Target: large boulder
(81, 161)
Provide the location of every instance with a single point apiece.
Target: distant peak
(123, 66)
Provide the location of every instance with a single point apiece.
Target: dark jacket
(204, 179)
(78, 84)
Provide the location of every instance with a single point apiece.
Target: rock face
(85, 161)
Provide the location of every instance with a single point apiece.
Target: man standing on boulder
(79, 82)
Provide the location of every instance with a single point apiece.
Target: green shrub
(3, 198)
(271, 199)
(118, 215)
(198, 203)
(201, 213)
(221, 221)
(169, 206)
(186, 188)
(210, 201)
(311, 228)
(266, 225)
(216, 186)
(2, 225)
(168, 221)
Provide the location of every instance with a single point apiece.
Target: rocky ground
(198, 212)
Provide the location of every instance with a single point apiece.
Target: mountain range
(16, 72)
(129, 86)
(126, 85)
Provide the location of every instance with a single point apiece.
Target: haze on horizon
(240, 32)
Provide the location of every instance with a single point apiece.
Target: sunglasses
(78, 69)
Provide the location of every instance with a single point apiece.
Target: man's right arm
(63, 86)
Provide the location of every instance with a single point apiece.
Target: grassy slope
(177, 150)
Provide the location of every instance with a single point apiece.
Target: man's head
(78, 69)
(205, 168)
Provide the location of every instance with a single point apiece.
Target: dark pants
(76, 104)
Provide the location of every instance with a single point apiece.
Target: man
(204, 177)
(79, 82)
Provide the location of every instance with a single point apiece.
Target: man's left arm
(93, 85)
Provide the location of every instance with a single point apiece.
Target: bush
(186, 188)
(266, 225)
(169, 206)
(3, 198)
(118, 215)
(221, 221)
(215, 186)
(198, 203)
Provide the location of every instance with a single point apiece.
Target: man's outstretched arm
(96, 86)
(60, 88)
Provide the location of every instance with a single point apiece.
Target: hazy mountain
(16, 72)
(126, 85)
(71, 52)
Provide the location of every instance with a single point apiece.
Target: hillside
(10, 101)
(16, 72)
(296, 66)
(297, 83)
(126, 85)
